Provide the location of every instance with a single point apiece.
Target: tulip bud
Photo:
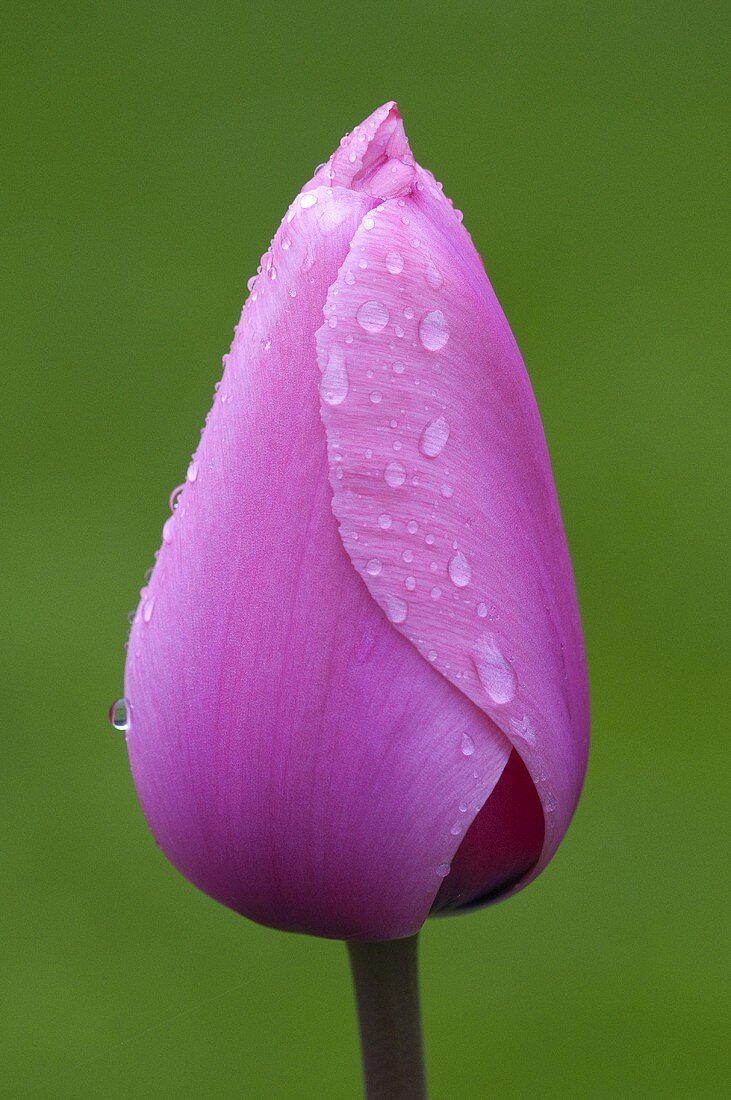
(356, 680)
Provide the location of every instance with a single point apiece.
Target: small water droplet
(412, 526)
(495, 671)
(460, 572)
(433, 330)
(434, 438)
(376, 397)
(373, 567)
(408, 556)
(396, 609)
(468, 745)
(436, 593)
(395, 474)
(174, 498)
(148, 609)
(456, 829)
(372, 316)
(429, 540)
(410, 583)
(192, 473)
(398, 367)
(463, 807)
(334, 381)
(119, 714)
(443, 870)
(447, 491)
(266, 344)
(286, 244)
(432, 655)
(384, 521)
(394, 263)
(167, 530)
(308, 200)
(349, 278)
(482, 610)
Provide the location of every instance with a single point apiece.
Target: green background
(150, 150)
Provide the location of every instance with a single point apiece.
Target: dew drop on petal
(376, 397)
(443, 870)
(192, 473)
(148, 609)
(434, 438)
(308, 200)
(495, 671)
(167, 530)
(384, 521)
(433, 277)
(372, 316)
(373, 567)
(456, 829)
(468, 745)
(334, 381)
(482, 610)
(394, 263)
(119, 714)
(460, 573)
(398, 368)
(410, 583)
(396, 609)
(395, 474)
(433, 330)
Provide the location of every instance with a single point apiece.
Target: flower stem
(386, 980)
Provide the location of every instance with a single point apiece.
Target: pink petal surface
(299, 756)
(440, 434)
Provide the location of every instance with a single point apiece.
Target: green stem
(386, 980)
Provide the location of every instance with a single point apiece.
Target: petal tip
(375, 158)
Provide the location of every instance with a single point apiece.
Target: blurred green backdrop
(150, 150)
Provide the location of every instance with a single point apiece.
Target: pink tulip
(356, 679)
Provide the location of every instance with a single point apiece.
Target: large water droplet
(434, 438)
(394, 263)
(495, 671)
(396, 609)
(468, 745)
(433, 330)
(119, 714)
(395, 474)
(372, 316)
(460, 572)
(334, 381)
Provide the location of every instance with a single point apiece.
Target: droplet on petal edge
(496, 674)
(119, 714)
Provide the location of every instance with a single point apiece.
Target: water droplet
(395, 474)
(408, 556)
(119, 714)
(468, 745)
(192, 473)
(266, 344)
(368, 223)
(460, 572)
(373, 567)
(436, 593)
(372, 316)
(482, 610)
(174, 498)
(376, 397)
(456, 829)
(447, 491)
(495, 671)
(443, 870)
(308, 200)
(167, 530)
(396, 609)
(410, 583)
(334, 381)
(523, 729)
(384, 521)
(412, 526)
(148, 609)
(433, 277)
(434, 438)
(432, 655)
(394, 263)
(349, 278)
(286, 244)
(433, 330)
(463, 807)
(429, 540)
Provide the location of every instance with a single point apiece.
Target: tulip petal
(440, 433)
(294, 754)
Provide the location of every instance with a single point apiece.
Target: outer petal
(296, 757)
(440, 434)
